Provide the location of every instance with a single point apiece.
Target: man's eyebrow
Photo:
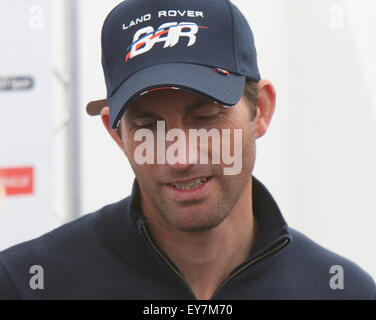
(198, 105)
(138, 114)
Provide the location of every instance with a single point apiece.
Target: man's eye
(149, 125)
(210, 117)
(145, 124)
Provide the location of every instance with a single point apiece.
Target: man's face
(164, 186)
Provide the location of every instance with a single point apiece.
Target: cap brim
(94, 108)
(226, 89)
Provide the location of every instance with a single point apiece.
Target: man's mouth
(189, 184)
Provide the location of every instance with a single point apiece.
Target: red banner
(17, 181)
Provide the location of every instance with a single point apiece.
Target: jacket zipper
(151, 242)
(282, 244)
(271, 251)
(156, 249)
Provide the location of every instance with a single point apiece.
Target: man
(197, 225)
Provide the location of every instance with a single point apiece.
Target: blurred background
(318, 158)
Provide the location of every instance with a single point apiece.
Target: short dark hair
(250, 94)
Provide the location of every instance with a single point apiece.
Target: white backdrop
(33, 123)
(26, 121)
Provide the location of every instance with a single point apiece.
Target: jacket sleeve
(7, 289)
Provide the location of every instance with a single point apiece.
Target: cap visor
(226, 89)
(94, 108)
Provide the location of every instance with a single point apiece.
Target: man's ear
(265, 106)
(105, 115)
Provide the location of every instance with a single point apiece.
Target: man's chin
(196, 227)
(194, 219)
(192, 210)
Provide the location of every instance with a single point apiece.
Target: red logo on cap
(222, 71)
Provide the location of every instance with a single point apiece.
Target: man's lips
(191, 189)
(188, 180)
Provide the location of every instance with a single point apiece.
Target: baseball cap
(205, 47)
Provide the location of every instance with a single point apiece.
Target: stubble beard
(230, 191)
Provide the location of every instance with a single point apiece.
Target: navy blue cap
(206, 47)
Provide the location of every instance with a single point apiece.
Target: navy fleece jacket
(111, 254)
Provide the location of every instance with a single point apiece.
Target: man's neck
(206, 259)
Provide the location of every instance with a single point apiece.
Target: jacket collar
(271, 226)
(119, 225)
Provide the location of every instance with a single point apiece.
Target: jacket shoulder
(72, 242)
(322, 265)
